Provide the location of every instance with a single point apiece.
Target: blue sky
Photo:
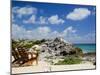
(33, 20)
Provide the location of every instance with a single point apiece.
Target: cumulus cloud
(90, 37)
(69, 34)
(42, 20)
(87, 38)
(44, 30)
(20, 11)
(78, 14)
(39, 32)
(55, 20)
(32, 20)
(13, 18)
(68, 30)
(19, 32)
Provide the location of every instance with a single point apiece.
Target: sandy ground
(45, 67)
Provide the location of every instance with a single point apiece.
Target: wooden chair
(22, 56)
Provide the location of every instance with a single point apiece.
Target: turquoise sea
(87, 47)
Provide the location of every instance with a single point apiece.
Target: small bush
(69, 61)
(79, 51)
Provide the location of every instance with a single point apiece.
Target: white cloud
(68, 30)
(43, 30)
(42, 20)
(69, 34)
(13, 18)
(87, 38)
(78, 14)
(38, 33)
(55, 20)
(14, 9)
(90, 36)
(19, 32)
(20, 11)
(32, 20)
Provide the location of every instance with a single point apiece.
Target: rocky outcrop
(57, 48)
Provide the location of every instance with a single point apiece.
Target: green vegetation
(79, 51)
(69, 61)
(26, 43)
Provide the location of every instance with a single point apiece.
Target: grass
(69, 61)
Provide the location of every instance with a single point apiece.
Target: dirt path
(45, 67)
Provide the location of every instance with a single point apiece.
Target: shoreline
(84, 52)
(90, 54)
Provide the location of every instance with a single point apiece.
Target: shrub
(79, 51)
(69, 61)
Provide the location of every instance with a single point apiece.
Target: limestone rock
(56, 48)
